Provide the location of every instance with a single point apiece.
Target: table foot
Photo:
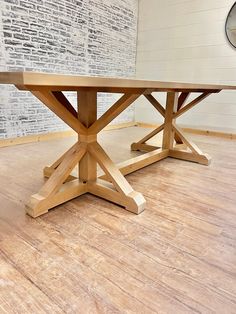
(133, 202)
(121, 191)
(203, 159)
(62, 186)
(194, 154)
(55, 191)
(39, 205)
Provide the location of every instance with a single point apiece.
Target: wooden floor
(91, 256)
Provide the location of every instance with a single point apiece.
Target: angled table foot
(58, 189)
(192, 153)
(55, 191)
(39, 205)
(133, 201)
(203, 159)
(118, 190)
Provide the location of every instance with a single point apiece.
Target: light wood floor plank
(90, 255)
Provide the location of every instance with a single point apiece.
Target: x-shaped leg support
(61, 185)
(174, 140)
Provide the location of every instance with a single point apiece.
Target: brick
(20, 23)
(46, 47)
(53, 30)
(65, 22)
(12, 1)
(37, 14)
(38, 40)
(31, 58)
(27, 4)
(60, 49)
(21, 36)
(12, 42)
(54, 17)
(45, 35)
(52, 43)
(34, 26)
(29, 31)
(38, 52)
(42, 9)
(49, 5)
(19, 9)
(7, 35)
(64, 34)
(11, 28)
(29, 45)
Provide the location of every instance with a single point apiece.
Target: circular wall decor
(230, 26)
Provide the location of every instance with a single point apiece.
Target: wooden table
(61, 186)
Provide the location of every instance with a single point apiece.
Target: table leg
(61, 186)
(174, 141)
(55, 191)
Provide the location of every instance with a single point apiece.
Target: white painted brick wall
(83, 37)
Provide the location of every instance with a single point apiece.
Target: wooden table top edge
(25, 79)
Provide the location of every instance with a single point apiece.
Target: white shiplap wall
(185, 41)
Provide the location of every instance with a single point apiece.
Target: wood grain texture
(31, 81)
(173, 138)
(91, 256)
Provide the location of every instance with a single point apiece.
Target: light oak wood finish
(173, 138)
(142, 161)
(90, 256)
(171, 108)
(191, 104)
(29, 80)
(121, 104)
(61, 184)
(181, 102)
(87, 115)
(86, 153)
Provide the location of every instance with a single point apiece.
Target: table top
(34, 80)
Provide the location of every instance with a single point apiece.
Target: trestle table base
(63, 186)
